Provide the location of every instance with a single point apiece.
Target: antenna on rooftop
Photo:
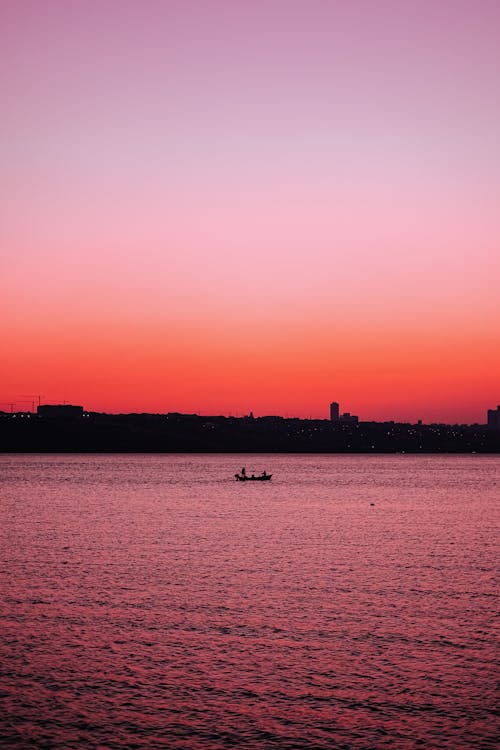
(23, 401)
(38, 396)
(10, 403)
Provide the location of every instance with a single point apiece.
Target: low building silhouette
(348, 418)
(60, 411)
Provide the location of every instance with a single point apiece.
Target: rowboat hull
(240, 478)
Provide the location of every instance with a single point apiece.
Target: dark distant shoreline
(178, 433)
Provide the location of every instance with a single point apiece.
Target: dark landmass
(178, 433)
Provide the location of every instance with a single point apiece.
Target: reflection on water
(154, 602)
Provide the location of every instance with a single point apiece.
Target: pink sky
(222, 206)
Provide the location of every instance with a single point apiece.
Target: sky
(222, 207)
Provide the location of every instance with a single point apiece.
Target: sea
(151, 601)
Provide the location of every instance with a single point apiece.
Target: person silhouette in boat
(243, 472)
(264, 473)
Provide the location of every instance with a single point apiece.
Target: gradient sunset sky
(220, 206)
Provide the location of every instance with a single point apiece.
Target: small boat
(252, 478)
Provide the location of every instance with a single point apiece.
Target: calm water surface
(154, 602)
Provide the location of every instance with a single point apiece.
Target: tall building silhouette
(334, 412)
(494, 418)
(337, 417)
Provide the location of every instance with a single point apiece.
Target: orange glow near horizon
(398, 377)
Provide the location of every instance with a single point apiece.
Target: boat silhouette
(243, 477)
